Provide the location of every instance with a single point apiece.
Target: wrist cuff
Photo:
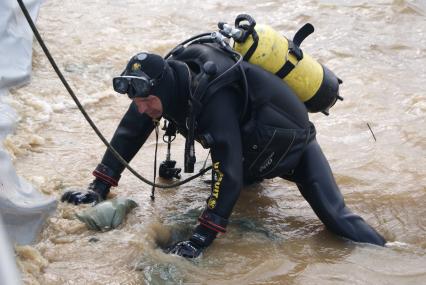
(213, 221)
(100, 187)
(203, 236)
(106, 174)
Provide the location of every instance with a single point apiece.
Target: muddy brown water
(378, 49)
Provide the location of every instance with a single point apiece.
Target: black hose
(185, 42)
(87, 117)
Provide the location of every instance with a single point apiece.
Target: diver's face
(150, 105)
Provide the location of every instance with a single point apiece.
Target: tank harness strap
(195, 107)
(245, 23)
(303, 33)
(294, 49)
(253, 47)
(288, 65)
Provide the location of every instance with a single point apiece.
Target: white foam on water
(397, 244)
(23, 209)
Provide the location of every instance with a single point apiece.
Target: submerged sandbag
(107, 215)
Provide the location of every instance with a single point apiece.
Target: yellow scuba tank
(315, 85)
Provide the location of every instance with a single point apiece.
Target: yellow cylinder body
(272, 53)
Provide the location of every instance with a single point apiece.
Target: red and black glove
(97, 190)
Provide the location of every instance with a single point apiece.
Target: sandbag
(107, 215)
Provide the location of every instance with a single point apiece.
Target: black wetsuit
(275, 138)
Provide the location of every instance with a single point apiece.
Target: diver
(263, 135)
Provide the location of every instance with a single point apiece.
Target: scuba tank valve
(229, 31)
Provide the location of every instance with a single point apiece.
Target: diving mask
(135, 81)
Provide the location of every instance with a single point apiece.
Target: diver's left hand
(186, 249)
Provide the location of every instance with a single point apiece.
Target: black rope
(156, 122)
(87, 117)
(205, 161)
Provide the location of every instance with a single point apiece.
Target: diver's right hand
(77, 197)
(96, 192)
